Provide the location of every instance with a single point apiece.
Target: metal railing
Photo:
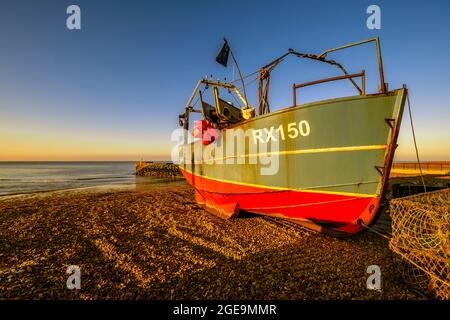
(442, 167)
(345, 76)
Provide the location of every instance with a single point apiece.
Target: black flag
(222, 57)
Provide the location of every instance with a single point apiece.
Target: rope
(375, 231)
(415, 142)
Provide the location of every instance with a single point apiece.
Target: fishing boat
(333, 156)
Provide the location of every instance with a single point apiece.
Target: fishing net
(421, 237)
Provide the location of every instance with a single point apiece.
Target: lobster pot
(421, 235)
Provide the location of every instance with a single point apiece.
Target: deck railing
(345, 76)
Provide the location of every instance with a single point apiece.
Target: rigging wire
(245, 77)
(415, 142)
(198, 97)
(235, 99)
(249, 83)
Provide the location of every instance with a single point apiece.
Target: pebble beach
(159, 244)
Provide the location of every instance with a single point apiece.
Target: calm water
(26, 177)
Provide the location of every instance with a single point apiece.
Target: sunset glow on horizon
(114, 89)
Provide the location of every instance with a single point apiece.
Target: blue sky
(114, 89)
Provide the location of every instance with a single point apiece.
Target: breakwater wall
(157, 169)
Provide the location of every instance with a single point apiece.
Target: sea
(30, 177)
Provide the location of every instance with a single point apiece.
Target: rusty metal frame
(345, 76)
(382, 87)
(184, 118)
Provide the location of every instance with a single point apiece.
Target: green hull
(342, 146)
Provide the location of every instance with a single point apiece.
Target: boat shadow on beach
(161, 245)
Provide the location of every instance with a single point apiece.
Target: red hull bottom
(324, 212)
